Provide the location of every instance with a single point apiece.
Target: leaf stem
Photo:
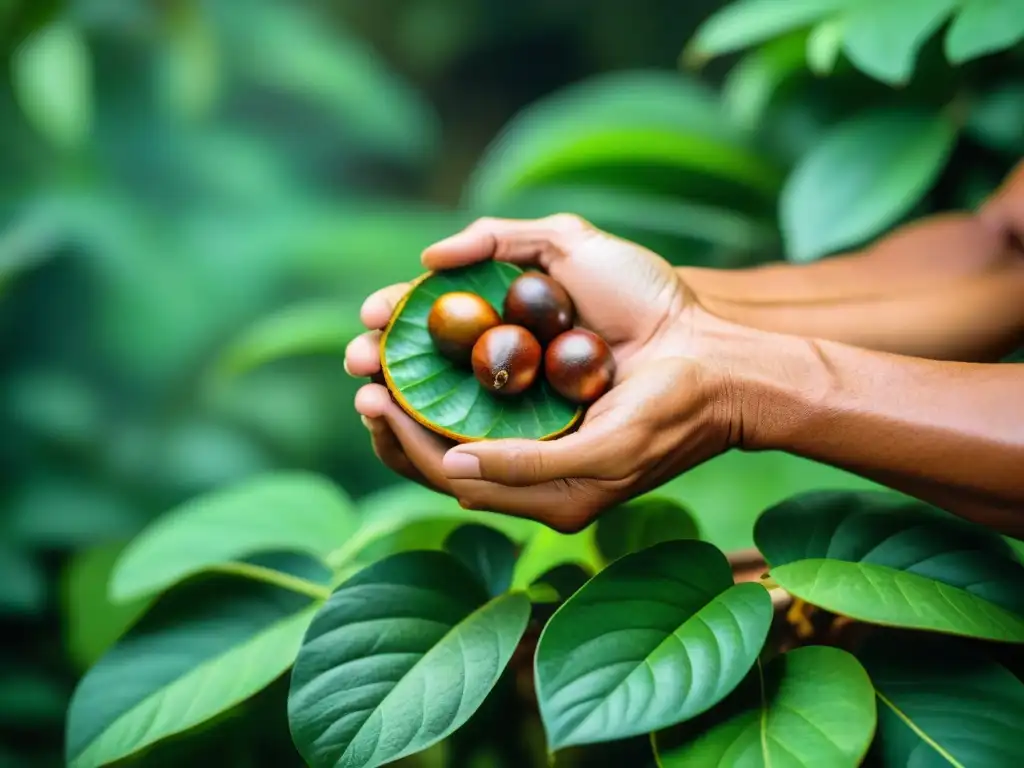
(277, 578)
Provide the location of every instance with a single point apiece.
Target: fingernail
(461, 466)
(366, 422)
(345, 366)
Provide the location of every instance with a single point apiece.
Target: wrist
(770, 387)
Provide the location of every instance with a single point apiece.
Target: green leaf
(643, 130)
(882, 38)
(823, 46)
(984, 27)
(751, 84)
(92, 621)
(489, 554)
(548, 548)
(653, 640)
(312, 327)
(880, 558)
(643, 523)
(565, 579)
(749, 22)
(811, 707)
(447, 398)
(203, 649)
(400, 656)
(52, 79)
(996, 118)
(278, 511)
(940, 704)
(861, 178)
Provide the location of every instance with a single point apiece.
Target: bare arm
(949, 433)
(949, 287)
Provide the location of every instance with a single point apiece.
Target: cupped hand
(667, 411)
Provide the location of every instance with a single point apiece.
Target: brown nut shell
(457, 320)
(540, 304)
(506, 360)
(579, 365)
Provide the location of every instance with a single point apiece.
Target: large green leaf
(447, 398)
(883, 38)
(883, 559)
(942, 705)
(52, 78)
(641, 524)
(488, 553)
(983, 27)
(748, 22)
(203, 649)
(312, 327)
(808, 708)
(753, 82)
(862, 177)
(645, 130)
(653, 640)
(92, 621)
(278, 511)
(400, 656)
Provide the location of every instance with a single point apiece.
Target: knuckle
(570, 223)
(522, 465)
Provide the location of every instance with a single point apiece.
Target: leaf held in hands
(879, 558)
(447, 398)
(399, 657)
(654, 639)
(811, 707)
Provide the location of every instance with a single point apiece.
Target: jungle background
(196, 195)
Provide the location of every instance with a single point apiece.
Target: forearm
(949, 288)
(951, 434)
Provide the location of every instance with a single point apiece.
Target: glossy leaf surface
(942, 705)
(280, 511)
(811, 707)
(861, 178)
(399, 657)
(488, 553)
(447, 398)
(643, 523)
(880, 558)
(654, 639)
(204, 648)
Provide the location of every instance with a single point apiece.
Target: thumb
(528, 462)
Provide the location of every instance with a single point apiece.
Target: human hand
(670, 407)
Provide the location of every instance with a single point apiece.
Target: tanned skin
(881, 362)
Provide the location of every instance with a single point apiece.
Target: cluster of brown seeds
(534, 332)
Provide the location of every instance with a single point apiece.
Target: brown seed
(506, 360)
(579, 366)
(539, 304)
(457, 320)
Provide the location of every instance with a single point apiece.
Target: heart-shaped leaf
(862, 177)
(400, 656)
(202, 649)
(488, 553)
(447, 398)
(879, 558)
(940, 704)
(808, 708)
(279, 511)
(983, 27)
(654, 639)
(641, 524)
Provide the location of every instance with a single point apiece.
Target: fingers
(587, 454)
(379, 306)
(533, 242)
(362, 356)
(565, 507)
(423, 449)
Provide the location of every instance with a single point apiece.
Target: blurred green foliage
(196, 195)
